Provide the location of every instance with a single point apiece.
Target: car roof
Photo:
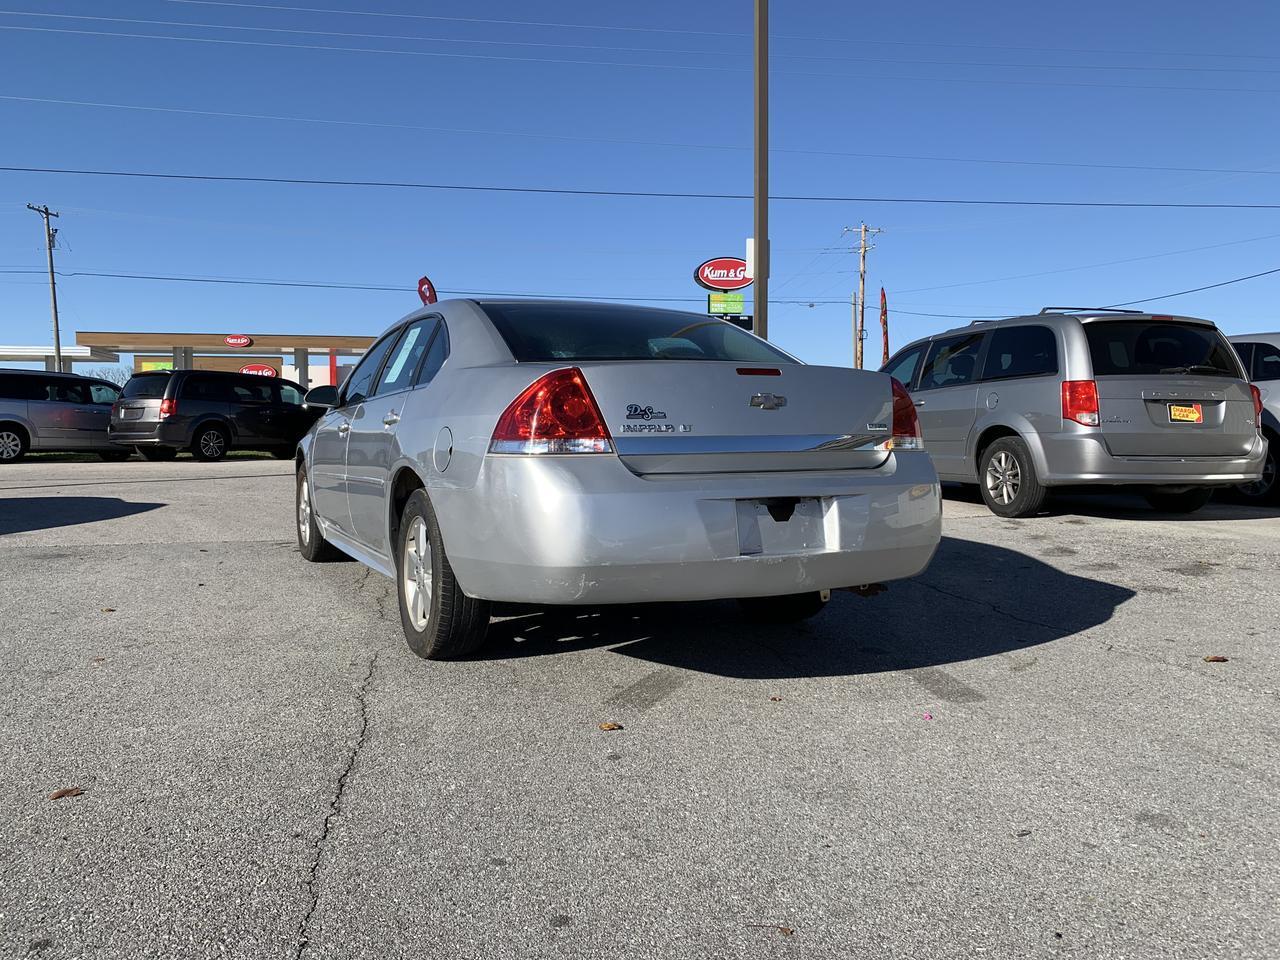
(1250, 337)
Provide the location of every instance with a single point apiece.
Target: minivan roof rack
(1044, 310)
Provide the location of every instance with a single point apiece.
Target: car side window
(67, 391)
(903, 367)
(1021, 352)
(403, 358)
(952, 362)
(1245, 352)
(359, 384)
(1266, 362)
(290, 394)
(437, 354)
(251, 392)
(103, 393)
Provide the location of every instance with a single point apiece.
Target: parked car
(209, 413)
(547, 452)
(1073, 396)
(55, 411)
(1260, 354)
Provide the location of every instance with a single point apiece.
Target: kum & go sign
(723, 273)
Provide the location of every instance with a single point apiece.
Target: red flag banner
(884, 324)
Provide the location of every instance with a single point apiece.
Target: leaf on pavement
(610, 725)
(776, 699)
(65, 792)
(1214, 658)
(108, 609)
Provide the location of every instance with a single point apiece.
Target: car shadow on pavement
(1117, 504)
(975, 600)
(25, 514)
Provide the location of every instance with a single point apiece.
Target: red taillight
(554, 414)
(1080, 402)
(168, 407)
(906, 425)
(1257, 403)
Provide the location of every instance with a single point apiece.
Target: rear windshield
(554, 331)
(1146, 348)
(146, 387)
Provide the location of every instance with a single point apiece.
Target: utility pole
(761, 295)
(49, 234)
(861, 309)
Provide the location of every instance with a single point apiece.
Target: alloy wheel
(1004, 477)
(304, 511)
(212, 444)
(416, 571)
(1263, 485)
(10, 445)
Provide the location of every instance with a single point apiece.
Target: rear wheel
(1007, 479)
(157, 453)
(210, 443)
(1266, 490)
(791, 608)
(13, 443)
(311, 542)
(1178, 501)
(440, 621)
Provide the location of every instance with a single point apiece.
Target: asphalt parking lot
(1021, 753)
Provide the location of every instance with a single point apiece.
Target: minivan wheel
(1265, 490)
(210, 443)
(791, 608)
(440, 621)
(311, 542)
(1007, 479)
(1178, 501)
(157, 453)
(13, 444)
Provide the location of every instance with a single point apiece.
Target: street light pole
(49, 232)
(761, 230)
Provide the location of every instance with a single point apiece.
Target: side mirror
(321, 398)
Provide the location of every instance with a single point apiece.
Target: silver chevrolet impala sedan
(552, 452)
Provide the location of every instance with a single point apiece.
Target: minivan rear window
(557, 331)
(1148, 348)
(147, 386)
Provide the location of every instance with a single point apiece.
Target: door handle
(391, 419)
(918, 403)
(344, 428)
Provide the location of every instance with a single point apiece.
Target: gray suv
(1086, 396)
(1260, 354)
(55, 411)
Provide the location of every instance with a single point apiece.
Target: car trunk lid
(687, 416)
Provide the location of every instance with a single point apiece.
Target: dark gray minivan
(1085, 396)
(55, 411)
(209, 413)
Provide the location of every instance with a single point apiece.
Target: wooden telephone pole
(49, 234)
(860, 302)
(760, 297)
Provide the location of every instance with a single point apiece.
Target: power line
(642, 194)
(1209, 286)
(714, 33)
(383, 51)
(633, 142)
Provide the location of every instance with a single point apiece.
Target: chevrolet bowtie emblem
(768, 401)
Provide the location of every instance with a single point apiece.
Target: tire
(13, 443)
(282, 453)
(1264, 492)
(791, 608)
(210, 443)
(1178, 501)
(157, 454)
(115, 456)
(1007, 479)
(311, 542)
(440, 621)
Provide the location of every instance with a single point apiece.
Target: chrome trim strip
(667, 444)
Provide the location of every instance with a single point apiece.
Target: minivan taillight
(1080, 402)
(168, 407)
(554, 414)
(1257, 404)
(906, 424)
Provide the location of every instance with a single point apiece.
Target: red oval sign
(723, 273)
(426, 290)
(259, 369)
(237, 340)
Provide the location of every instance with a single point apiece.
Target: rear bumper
(160, 434)
(584, 530)
(1084, 459)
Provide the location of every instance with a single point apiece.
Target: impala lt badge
(768, 401)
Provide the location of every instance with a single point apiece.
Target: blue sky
(1064, 90)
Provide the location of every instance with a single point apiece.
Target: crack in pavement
(986, 603)
(335, 807)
